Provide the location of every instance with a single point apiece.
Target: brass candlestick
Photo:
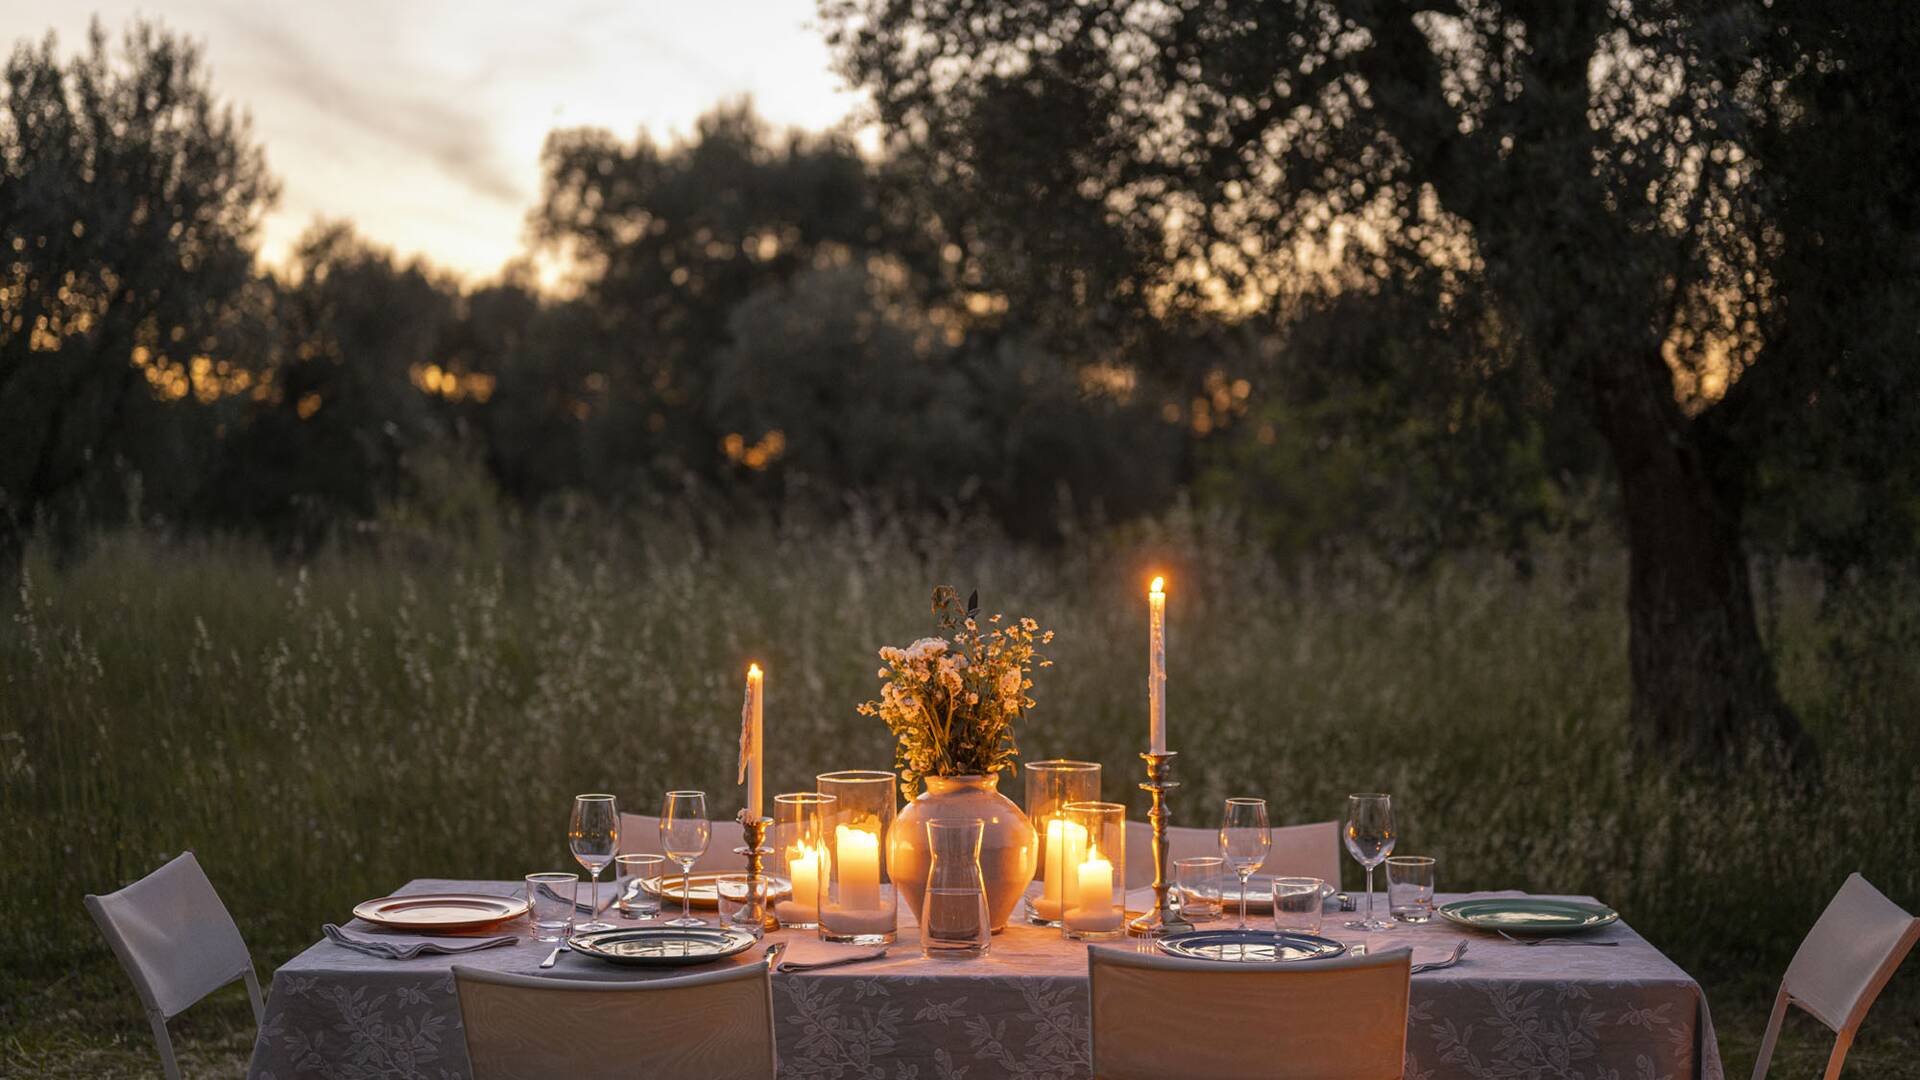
(754, 831)
(1163, 919)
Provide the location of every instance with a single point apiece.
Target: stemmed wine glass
(684, 832)
(1370, 841)
(593, 834)
(1245, 840)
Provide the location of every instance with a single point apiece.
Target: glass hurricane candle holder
(1051, 785)
(799, 854)
(857, 902)
(1095, 887)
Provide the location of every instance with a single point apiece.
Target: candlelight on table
(859, 867)
(1059, 881)
(1094, 906)
(807, 866)
(1157, 665)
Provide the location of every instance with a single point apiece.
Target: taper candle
(1157, 665)
(751, 723)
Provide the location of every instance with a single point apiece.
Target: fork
(1569, 943)
(1459, 950)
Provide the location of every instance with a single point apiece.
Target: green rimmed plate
(1529, 916)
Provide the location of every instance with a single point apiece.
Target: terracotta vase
(1008, 846)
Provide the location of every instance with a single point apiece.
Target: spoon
(552, 956)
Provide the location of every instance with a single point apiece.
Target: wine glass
(593, 834)
(1370, 841)
(684, 832)
(1244, 840)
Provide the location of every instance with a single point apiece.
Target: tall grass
(321, 731)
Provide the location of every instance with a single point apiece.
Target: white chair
(177, 942)
(1298, 851)
(640, 833)
(1159, 1016)
(1842, 966)
(717, 1025)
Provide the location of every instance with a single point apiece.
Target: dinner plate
(1529, 916)
(1249, 946)
(663, 946)
(706, 892)
(441, 911)
(1259, 893)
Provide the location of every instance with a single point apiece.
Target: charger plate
(1529, 916)
(663, 946)
(706, 889)
(441, 911)
(1259, 893)
(1249, 946)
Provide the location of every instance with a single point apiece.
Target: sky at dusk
(422, 122)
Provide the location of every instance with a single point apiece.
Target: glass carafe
(956, 926)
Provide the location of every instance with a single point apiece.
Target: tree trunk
(1703, 684)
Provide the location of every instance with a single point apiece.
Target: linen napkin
(610, 893)
(803, 955)
(396, 947)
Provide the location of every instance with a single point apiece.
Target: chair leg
(164, 1043)
(1772, 1036)
(1841, 1044)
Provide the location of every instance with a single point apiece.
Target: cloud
(456, 138)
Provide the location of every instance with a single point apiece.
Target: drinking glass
(593, 834)
(550, 900)
(957, 925)
(1196, 881)
(637, 900)
(1369, 840)
(1296, 904)
(742, 898)
(1245, 840)
(1410, 881)
(684, 832)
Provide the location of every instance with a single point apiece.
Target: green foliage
(129, 200)
(321, 731)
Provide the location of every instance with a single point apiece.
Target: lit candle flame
(1159, 586)
(753, 670)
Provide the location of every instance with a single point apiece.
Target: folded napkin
(803, 955)
(397, 947)
(610, 892)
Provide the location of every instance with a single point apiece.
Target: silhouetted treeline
(759, 315)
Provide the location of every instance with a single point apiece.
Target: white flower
(926, 648)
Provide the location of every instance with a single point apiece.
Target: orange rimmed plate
(435, 912)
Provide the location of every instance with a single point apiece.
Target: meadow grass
(320, 730)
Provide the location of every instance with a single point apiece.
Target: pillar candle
(859, 868)
(1059, 882)
(806, 866)
(1094, 907)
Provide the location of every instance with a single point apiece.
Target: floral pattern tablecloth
(1509, 1012)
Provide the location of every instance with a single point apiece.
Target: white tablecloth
(1508, 1011)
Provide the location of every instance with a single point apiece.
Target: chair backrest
(1298, 850)
(1850, 954)
(1159, 1016)
(640, 833)
(716, 1025)
(173, 935)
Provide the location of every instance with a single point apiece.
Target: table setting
(919, 919)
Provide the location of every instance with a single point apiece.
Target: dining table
(1506, 1010)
